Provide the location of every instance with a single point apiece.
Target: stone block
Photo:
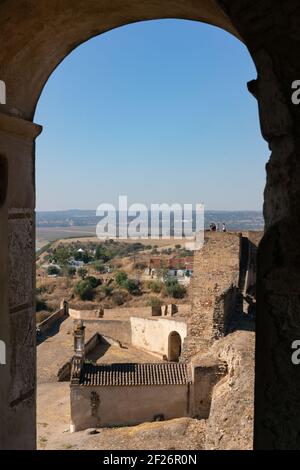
(21, 262)
(23, 354)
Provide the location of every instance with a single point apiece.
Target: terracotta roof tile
(167, 373)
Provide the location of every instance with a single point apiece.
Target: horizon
(157, 110)
(206, 210)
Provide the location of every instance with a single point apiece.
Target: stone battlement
(215, 287)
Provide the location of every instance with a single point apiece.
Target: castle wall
(214, 284)
(48, 323)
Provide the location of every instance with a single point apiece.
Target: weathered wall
(206, 372)
(153, 334)
(48, 323)
(230, 422)
(271, 32)
(17, 286)
(127, 405)
(84, 314)
(116, 329)
(215, 279)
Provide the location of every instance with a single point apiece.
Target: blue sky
(158, 111)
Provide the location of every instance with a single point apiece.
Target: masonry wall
(215, 279)
(17, 283)
(121, 405)
(45, 325)
(153, 334)
(205, 377)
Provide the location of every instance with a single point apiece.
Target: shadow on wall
(174, 346)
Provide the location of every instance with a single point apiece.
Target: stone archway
(37, 37)
(174, 346)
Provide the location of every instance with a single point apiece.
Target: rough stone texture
(22, 354)
(215, 279)
(21, 267)
(38, 35)
(230, 423)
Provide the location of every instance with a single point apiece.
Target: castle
(223, 301)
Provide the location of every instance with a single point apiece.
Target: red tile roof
(131, 374)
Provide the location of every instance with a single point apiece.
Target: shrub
(93, 281)
(71, 271)
(102, 254)
(120, 278)
(84, 290)
(154, 302)
(107, 290)
(41, 304)
(99, 267)
(61, 255)
(53, 270)
(86, 257)
(82, 272)
(155, 286)
(40, 289)
(174, 289)
(132, 286)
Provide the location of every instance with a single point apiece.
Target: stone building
(104, 395)
(127, 394)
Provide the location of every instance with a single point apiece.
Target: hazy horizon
(157, 110)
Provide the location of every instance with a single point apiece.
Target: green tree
(99, 266)
(93, 281)
(174, 289)
(120, 278)
(86, 257)
(84, 290)
(61, 256)
(53, 270)
(132, 286)
(102, 254)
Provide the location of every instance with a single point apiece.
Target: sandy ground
(53, 411)
(57, 349)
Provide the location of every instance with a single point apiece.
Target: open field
(88, 234)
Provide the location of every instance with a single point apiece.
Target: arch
(174, 346)
(31, 58)
(37, 37)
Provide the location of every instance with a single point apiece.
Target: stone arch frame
(37, 36)
(174, 346)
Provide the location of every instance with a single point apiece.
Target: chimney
(79, 339)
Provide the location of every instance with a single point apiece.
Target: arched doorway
(174, 346)
(32, 51)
